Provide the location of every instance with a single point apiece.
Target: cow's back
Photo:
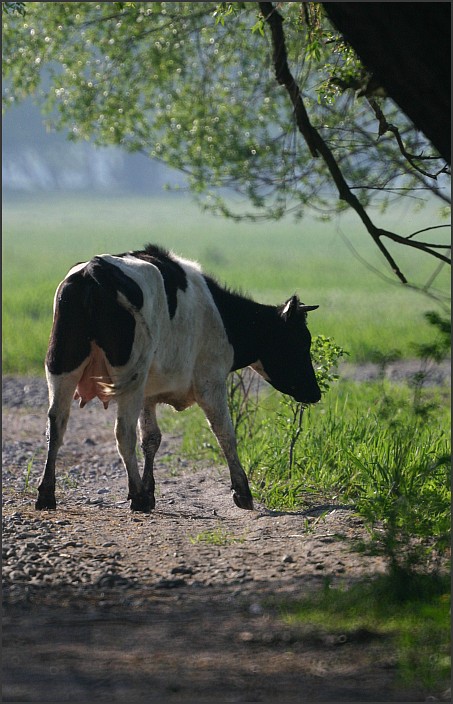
(178, 323)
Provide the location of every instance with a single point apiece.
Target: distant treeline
(35, 159)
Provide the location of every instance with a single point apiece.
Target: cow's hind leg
(150, 436)
(61, 390)
(126, 439)
(216, 410)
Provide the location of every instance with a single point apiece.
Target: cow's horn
(305, 308)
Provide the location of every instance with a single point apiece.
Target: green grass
(217, 536)
(44, 237)
(411, 617)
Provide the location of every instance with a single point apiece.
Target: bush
(374, 448)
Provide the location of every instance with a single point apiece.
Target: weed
(28, 473)
(402, 490)
(243, 390)
(68, 481)
(433, 352)
(217, 536)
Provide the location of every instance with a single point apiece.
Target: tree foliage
(194, 85)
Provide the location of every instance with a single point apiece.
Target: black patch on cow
(111, 279)
(244, 320)
(261, 332)
(111, 326)
(173, 274)
(87, 309)
(69, 341)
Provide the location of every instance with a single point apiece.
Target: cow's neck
(246, 323)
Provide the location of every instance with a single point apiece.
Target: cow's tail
(131, 381)
(122, 384)
(109, 288)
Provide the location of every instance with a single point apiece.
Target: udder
(94, 376)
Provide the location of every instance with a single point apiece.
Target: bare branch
(426, 229)
(426, 289)
(385, 126)
(424, 246)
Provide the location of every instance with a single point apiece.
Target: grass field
(43, 237)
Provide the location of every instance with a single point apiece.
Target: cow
(148, 327)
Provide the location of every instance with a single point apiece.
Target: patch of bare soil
(186, 604)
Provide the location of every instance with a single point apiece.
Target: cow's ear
(290, 308)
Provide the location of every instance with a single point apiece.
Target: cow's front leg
(126, 439)
(150, 437)
(61, 389)
(215, 407)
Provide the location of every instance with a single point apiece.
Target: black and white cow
(148, 327)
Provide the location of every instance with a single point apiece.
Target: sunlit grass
(44, 237)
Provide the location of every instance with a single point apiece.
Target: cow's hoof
(46, 502)
(143, 503)
(243, 501)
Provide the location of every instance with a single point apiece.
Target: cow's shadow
(313, 511)
(260, 511)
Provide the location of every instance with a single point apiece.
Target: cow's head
(285, 361)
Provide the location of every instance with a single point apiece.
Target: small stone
(245, 637)
(31, 571)
(181, 569)
(287, 558)
(113, 580)
(16, 575)
(169, 584)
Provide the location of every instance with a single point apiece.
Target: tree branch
(318, 146)
(426, 229)
(283, 74)
(385, 126)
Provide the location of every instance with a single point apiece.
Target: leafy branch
(13, 8)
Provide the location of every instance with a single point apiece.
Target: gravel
(151, 607)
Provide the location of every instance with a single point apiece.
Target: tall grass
(360, 445)
(44, 237)
(396, 473)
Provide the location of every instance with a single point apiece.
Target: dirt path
(185, 604)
